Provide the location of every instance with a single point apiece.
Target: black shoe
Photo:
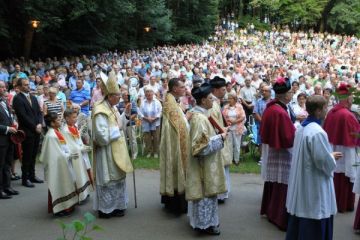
(221, 201)
(212, 231)
(118, 213)
(65, 213)
(36, 180)
(104, 215)
(15, 177)
(11, 191)
(209, 230)
(4, 195)
(27, 183)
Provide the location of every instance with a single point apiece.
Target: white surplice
(311, 192)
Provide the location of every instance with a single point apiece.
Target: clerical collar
(309, 120)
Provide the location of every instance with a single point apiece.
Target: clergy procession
(87, 120)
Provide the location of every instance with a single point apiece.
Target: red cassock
(278, 132)
(342, 129)
(276, 128)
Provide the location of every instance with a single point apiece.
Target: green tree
(154, 15)
(301, 14)
(80, 26)
(194, 20)
(344, 17)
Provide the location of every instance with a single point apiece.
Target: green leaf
(89, 218)
(78, 225)
(97, 228)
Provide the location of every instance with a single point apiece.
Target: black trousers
(30, 149)
(248, 112)
(6, 158)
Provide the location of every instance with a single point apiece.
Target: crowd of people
(192, 104)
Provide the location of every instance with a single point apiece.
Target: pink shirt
(97, 96)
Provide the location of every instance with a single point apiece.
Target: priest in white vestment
(111, 156)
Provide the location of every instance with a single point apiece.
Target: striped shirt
(51, 107)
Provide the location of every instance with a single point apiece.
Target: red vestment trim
(60, 136)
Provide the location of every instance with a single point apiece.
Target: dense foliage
(88, 26)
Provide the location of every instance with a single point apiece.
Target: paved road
(25, 216)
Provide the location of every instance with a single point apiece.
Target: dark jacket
(28, 115)
(5, 121)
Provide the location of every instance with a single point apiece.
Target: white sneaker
(148, 156)
(156, 155)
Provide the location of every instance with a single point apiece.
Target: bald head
(266, 91)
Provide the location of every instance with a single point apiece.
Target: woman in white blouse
(150, 113)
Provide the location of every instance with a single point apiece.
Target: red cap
(343, 88)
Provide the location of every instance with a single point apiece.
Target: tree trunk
(322, 25)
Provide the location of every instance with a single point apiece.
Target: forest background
(74, 27)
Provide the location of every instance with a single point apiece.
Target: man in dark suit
(29, 116)
(6, 146)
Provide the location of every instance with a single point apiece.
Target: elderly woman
(235, 117)
(300, 109)
(150, 112)
(97, 94)
(53, 104)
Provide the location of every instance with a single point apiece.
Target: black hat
(217, 82)
(201, 92)
(282, 85)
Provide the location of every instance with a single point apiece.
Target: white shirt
(248, 94)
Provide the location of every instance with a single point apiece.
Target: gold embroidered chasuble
(174, 148)
(205, 176)
(110, 151)
(226, 154)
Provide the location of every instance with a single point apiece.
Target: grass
(248, 164)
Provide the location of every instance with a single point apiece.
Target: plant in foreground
(79, 229)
